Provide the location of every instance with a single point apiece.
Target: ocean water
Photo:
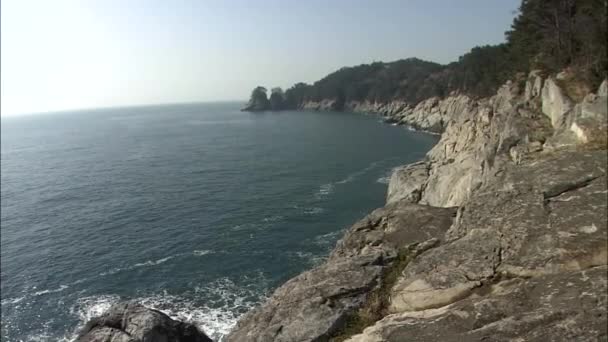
(199, 210)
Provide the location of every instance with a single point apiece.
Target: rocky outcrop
(317, 304)
(131, 322)
(568, 306)
(503, 226)
(526, 259)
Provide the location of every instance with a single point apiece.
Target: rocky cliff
(499, 234)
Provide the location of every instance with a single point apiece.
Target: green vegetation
(258, 100)
(377, 302)
(550, 35)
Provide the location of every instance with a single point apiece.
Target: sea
(198, 210)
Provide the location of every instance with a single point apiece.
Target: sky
(70, 54)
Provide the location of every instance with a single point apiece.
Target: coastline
(458, 251)
(387, 279)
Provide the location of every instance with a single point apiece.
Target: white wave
(357, 174)
(11, 300)
(314, 211)
(302, 255)
(222, 304)
(328, 240)
(383, 179)
(87, 308)
(309, 257)
(59, 289)
(273, 218)
(137, 265)
(325, 190)
(111, 271)
(155, 262)
(202, 252)
(348, 178)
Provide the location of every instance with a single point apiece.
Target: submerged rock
(131, 322)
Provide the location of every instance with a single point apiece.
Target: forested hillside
(550, 35)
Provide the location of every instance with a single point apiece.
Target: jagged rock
(525, 257)
(315, 304)
(131, 322)
(555, 104)
(534, 85)
(569, 306)
(532, 230)
(407, 182)
(589, 120)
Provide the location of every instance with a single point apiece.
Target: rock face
(504, 223)
(569, 306)
(130, 322)
(316, 304)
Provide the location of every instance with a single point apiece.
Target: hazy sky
(64, 54)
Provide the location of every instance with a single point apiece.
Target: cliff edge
(498, 234)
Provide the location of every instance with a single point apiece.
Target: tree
(277, 99)
(258, 100)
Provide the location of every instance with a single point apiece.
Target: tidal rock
(131, 322)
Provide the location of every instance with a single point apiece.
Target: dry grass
(575, 87)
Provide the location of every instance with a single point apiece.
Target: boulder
(131, 322)
(407, 182)
(555, 103)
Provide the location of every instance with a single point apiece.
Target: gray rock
(407, 182)
(522, 258)
(317, 303)
(555, 104)
(526, 258)
(131, 322)
(569, 306)
(534, 85)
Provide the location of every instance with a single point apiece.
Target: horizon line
(67, 110)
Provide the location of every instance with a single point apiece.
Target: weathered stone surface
(569, 306)
(534, 85)
(555, 104)
(315, 304)
(130, 322)
(589, 121)
(542, 223)
(407, 182)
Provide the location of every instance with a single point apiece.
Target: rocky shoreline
(499, 234)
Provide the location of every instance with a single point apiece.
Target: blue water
(198, 210)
